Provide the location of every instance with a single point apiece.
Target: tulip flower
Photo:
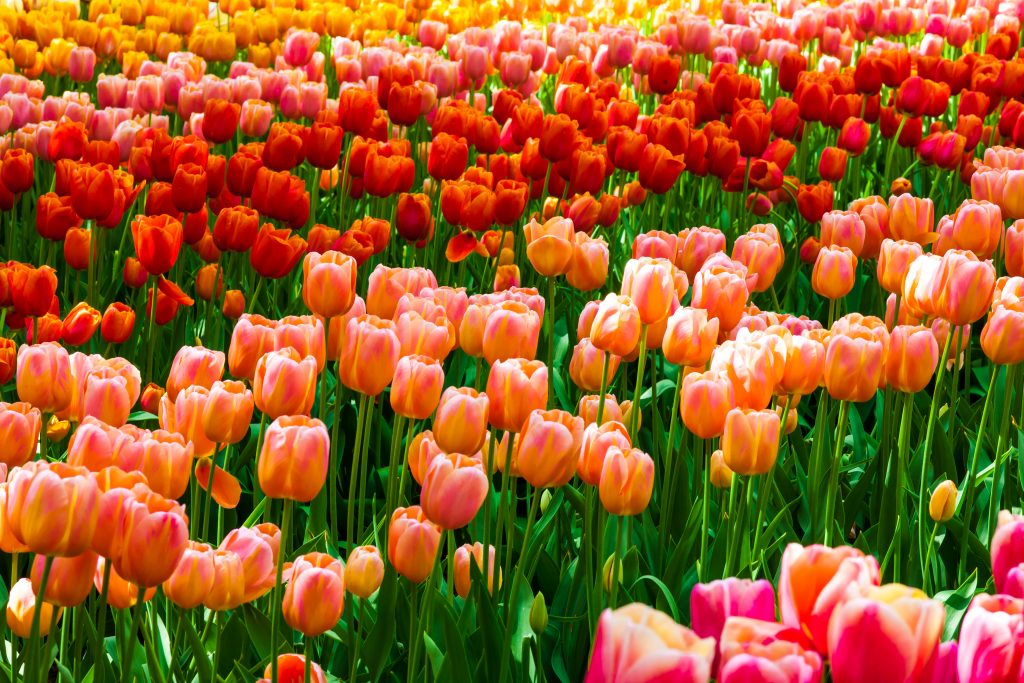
(19, 432)
(549, 446)
(157, 242)
(293, 461)
(329, 280)
(70, 579)
(626, 482)
(364, 571)
(252, 337)
(228, 412)
(942, 504)
(712, 604)
(912, 357)
(460, 423)
(753, 650)
(474, 553)
(412, 543)
(515, 388)
(258, 552)
(70, 498)
(315, 596)
(21, 609)
(587, 365)
(44, 376)
(853, 366)
(750, 441)
(705, 401)
(416, 388)
(193, 577)
(370, 356)
(990, 647)
(285, 383)
(454, 488)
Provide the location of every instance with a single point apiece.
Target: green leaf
(956, 602)
(257, 625)
(456, 662)
(434, 654)
(199, 654)
(665, 592)
(382, 635)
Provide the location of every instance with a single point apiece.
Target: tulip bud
(463, 575)
(538, 614)
(21, 609)
(364, 571)
(942, 504)
(293, 461)
(721, 475)
(454, 488)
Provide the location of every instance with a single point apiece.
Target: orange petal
(226, 489)
(460, 246)
(175, 292)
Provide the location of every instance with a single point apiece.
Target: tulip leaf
(65, 675)
(456, 662)
(205, 669)
(382, 635)
(665, 593)
(434, 654)
(957, 601)
(258, 627)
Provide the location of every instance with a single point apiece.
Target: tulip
(107, 397)
(285, 383)
(388, 285)
(19, 432)
(454, 488)
(70, 580)
(157, 242)
(750, 441)
(626, 482)
(194, 365)
(252, 337)
(412, 543)
(460, 423)
(293, 461)
(1001, 336)
(587, 365)
(722, 293)
(228, 589)
(32, 289)
(617, 325)
(193, 577)
(370, 355)
(511, 330)
(21, 609)
(53, 509)
(705, 401)
(228, 412)
(276, 251)
(1006, 548)
(515, 388)
(990, 639)
(597, 443)
(911, 359)
(894, 261)
(364, 571)
(166, 460)
(650, 284)
(155, 537)
(236, 228)
(690, 337)
(315, 596)
(549, 446)
(44, 376)
(963, 287)
(185, 417)
(815, 581)
(755, 650)
(416, 388)
(804, 366)
(549, 247)
(474, 553)
(719, 473)
(889, 634)
(639, 643)
(419, 335)
(589, 267)
(942, 504)
(835, 272)
(853, 366)
(117, 323)
(328, 283)
(712, 604)
(911, 219)
(258, 552)
(121, 594)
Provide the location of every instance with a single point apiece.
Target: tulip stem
(102, 625)
(152, 331)
(220, 510)
(219, 622)
(673, 463)
(394, 474)
(354, 478)
(764, 491)
(705, 509)
(927, 578)
(307, 660)
(972, 471)
(995, 500)
(332, 480)
(549, 309)
(133, 635)
(604, 387)
(929, 439)
(489, 466)
(613, 599)
(275, 600)
(634, 417)
(901, 465)
(37, 613)
(833, 479)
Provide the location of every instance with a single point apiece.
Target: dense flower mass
(502, 340)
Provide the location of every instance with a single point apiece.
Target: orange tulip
(454, 488)
(107, 397)
(185, 417)
(252, 337)
(364, 571)
(690, 337)
(80, 324)
(616, 326)
(894, 261)
(305, 334)
(512, 330)
(193, 577)
(70, 579)
(53, 508)
(315, 596)
(420, 335)
(388, 285)
(515, 388)
(911, 219)
(549, 447)
(226, 490)
(155, 536)
(626, 482)
(229, 587)
(194, 365)
(588, 269)
(293, 460)
(416, 388)
(460, 423)
(19, 432)
(291, 668)
(328, 283)
(597, 442)
(258, 552)
(835, 272)
(587, 365)
(705, 402)
(550, 246)
(421, 452)
(853, 366)
(963, 287)
(649, 282)
(228, 412)
(722, 293)
(463, 576)
(412, 543)
(719, 473)
(117, 323)
(166, 460)
(121, 594)
(284, 383)
(370, 356)
(911, 358)
(750, 442)
(44, 376)
(804, 367)
(1002, 338)
(761, 253)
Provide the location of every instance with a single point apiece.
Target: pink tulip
(992, 640)
(754, 651)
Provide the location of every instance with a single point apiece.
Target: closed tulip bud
(835, 272)
(715, 602)
(627, 480)
(151, 397)
(454, 488)
(293, 460)
(134, 273)
(978, 227)
(832, 165)
(80, 324)
(460, 423)
(853, 366)
(719, 473)
(515, 388)
(21, 609)
(911, 359)
(157, 242)
(285, 383)
(328, 283)
(512, 330)
(20, 424)
(412, 543)
(705, 401)
(892, 630)
(843, 229)
(258, 552)
(315, 596)
(53, 508)
(305, 334)
(588, 406)
(416, 388)
(641, 639)
(1001, 338)
(252, 337)
(549, 246)
(942, 504)
(234, 304)
(117, 323)
(364, 571)
(911, 219)
(690, 337)
(814, 582)
(964, 287)
(185, 417)
(70, 579)
(463, 575)
(894, 261)
(44, 376)
(549, 447)
(538, 613)
(228, 589)
(194, 365)
(228, 412)
(750, 442)
(616, 326)
(370, 356)
(193, 577)
(166, 460)
(107, 397)
(588, 365)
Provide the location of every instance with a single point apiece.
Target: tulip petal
(460, 246)
(175, 292)
(226, 489)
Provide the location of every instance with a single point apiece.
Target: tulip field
(599, 341)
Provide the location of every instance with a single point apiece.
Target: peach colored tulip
(315, 596)
(515, 388)
(649, 283)
(750, 442)
(454, 488)
(328, 283)
(705, 401)
(293, 461)
(511, 331)
(550, 246)
(194, 365)
(193, 576)
(627, 481)
(258, 552)
(285, 383)
(587, 365)
(53, 508)
(19, 432)
(21, 609)
(370, 356)
(463, 574)
(252, 337)
(616, 326)
(912, 357)
(44, 376)
(228, 412)
(690, 337)
(549, 447)
(412, 543)
(70, 580)
(364, 571)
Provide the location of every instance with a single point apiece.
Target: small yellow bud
(943, 502)
(721, 475)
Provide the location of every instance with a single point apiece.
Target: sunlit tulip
(258, 552)
(704, 403)
(549, 246)
(252, 337)
(911, 219)
(53, 508)
(942, 504)
(815, 581)
(193, 577)
(70, 579)
(964, 287)
(229, 582)
(835, 272)
(155, 537)
(285, 383)
(328, 283)
(990, 639)
(650, 285)
(805, 366)
(388, 285)
(978, 227)
(228, 412)
(412, 543)
(712, 603)
(750, 441)
(21, 609)
(894, 261)
(454, 488)
(589, 267)
(587, 365)
(549, 446)
(416, 388)
(292, 667)
(515, 388)
(194, 365)
(166, 459)
(890, 633)
(368, 360)
(853, 366)
(616, 326)
(912, 356)
(690, 337)
(44, 376)
(185, 417)
(293, 461)
(19, 432)
(639, 643)
(597, 443)
(756, 650)
(364, 571)
(315, 596)
(626, 482)
(512, 330)
(722, 293)
(1002, 338)
(460, 423)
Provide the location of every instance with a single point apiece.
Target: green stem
(604, 387)
(995, 500)
(929, 439)
(833, 480)
(275, 601)
(634, 420)
(705, 507)
(33, 664)
(354, 478)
